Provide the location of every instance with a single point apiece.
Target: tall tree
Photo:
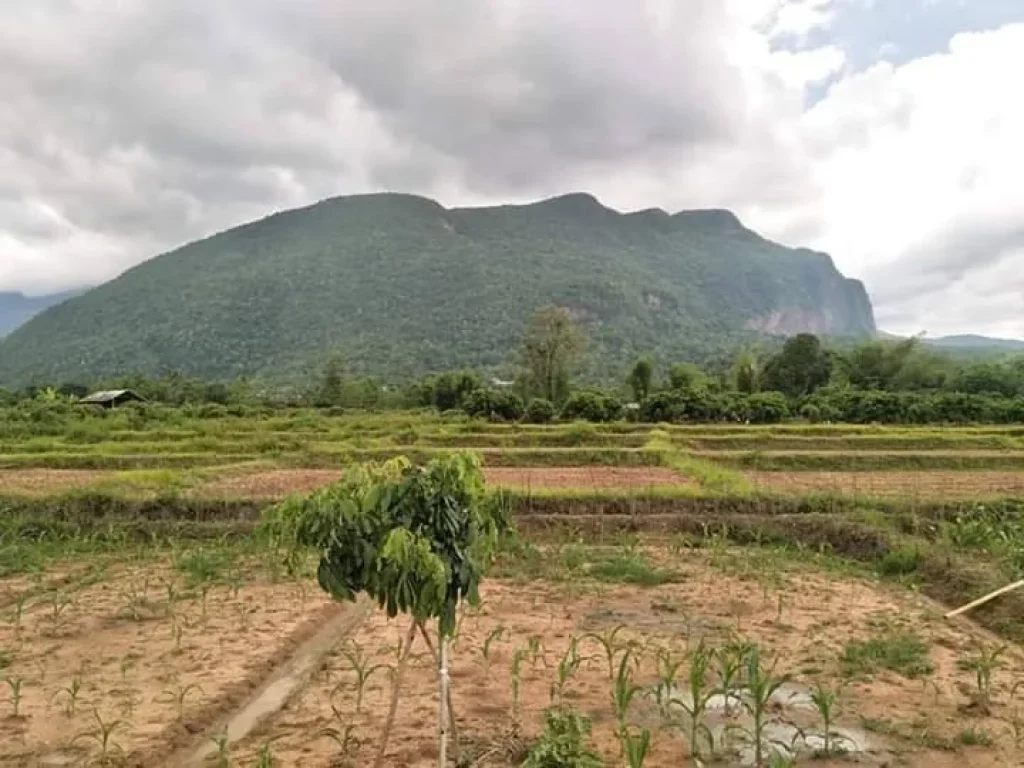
(331, 387)
(551, 347)
(801, 367)
(639, 379)
(744, 372)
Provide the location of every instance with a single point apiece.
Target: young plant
(517, 682)
(222, 757)
(761, 684)
(71, 692)
(495, 635)
(14, 685)
(562, 744)
(635, 746)
(983, 664)
(694, 701)
(416, 540)
(826, 702)
(177, 695)
(363, 670)
(102, 735)
(623, 690)
(343, 735)
(609, 644)
(731, 663)
(665, 690)
(567, 668)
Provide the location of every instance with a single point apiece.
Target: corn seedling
(14, 685)
(103, 737)
(1017, 729)
(59, 603)
(70, 693)
(222, 757)
(665, 690)
(731, 661)
(265, 757)
(984, 664)
(761, 685)
(635, 746)
(567, 668)
(536, 651)
(623, 690)
(826, 702)
(694, 701)
(363, 670)
(18, 613)
(496, 635)
(177, 696)
(517, 681)
(343, 735)
(608, 643)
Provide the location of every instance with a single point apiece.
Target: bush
(540, 411)
(592, 406)
(767, 407)
(493, 404)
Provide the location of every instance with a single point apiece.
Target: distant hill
(17, 308)
(403, 286)
(974, 342)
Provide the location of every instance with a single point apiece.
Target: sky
(885, 132)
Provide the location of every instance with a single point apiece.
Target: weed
(974, 737)
(899, 651)
(562, 743)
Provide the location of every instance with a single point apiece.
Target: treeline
(901, 382)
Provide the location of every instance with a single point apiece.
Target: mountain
(402, 286)
(974, 342)
(16, 308)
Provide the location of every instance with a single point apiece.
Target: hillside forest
(878, 381)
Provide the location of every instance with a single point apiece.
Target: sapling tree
(415, 539)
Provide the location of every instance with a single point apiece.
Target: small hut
(112, 398)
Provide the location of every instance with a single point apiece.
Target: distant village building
(111, 398)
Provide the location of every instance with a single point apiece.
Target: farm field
(143, 617)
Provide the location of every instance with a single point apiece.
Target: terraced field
(834, 549)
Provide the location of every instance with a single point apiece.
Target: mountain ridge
(16, 308)
(403, 285)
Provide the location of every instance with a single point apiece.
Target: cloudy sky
(886, 132)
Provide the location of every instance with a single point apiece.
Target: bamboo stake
(442, 755)
(448, 697)
(986, 598)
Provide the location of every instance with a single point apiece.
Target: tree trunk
(454, 728)
(395, 689)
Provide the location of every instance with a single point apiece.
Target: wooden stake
(395, 689)
(986, 598)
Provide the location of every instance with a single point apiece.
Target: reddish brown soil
(271, 483)
(49, 480)
(583, 477)
(919, 484)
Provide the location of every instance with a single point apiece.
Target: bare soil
(37, 481)
(804, 620)
(270, 484)
(162, 670)
(592, 478)
(919, 484)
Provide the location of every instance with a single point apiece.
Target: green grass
(900, 651)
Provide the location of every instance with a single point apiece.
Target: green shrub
(561, 745)
(540, 411)
(495, 404)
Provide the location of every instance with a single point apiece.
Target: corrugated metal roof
(106, 396)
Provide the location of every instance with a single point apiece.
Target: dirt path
(281, 684)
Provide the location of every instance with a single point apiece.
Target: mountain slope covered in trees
(401, 286)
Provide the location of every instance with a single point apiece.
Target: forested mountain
(16, 308)
(401, 286)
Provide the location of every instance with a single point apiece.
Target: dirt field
(39, 481)
(593, 478)
(808, 627)
(922, 484)
(168, 671)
